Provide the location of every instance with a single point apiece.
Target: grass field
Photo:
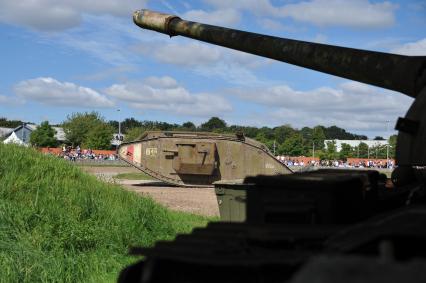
(59, 224)
(133, 176)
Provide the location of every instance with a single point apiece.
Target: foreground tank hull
(199, 159)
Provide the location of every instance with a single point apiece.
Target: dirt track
(194, 200)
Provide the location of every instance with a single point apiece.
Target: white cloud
(268, 24)
(116, 73)
(320, 38)
(206, 60)
(186, 5)
(49, 91)
(257, 7)
(196, 54)
(168, 6)
(166, 95)
(9, 100)
(351, 13)
(222, 17)
(105, 38)
(58, 15)
(351, 105)
(117, 43)
(187, 54)
(165, 82)
(417, 48)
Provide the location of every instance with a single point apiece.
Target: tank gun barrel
(406, 74)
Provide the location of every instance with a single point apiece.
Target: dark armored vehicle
(319, 226)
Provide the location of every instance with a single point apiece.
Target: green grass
(133, 176)
(58, 224)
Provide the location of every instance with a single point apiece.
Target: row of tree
(91, 130)
(283, 140)
(4, 122)
(360, 151)
(88, 130)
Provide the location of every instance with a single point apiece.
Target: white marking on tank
(269, 166)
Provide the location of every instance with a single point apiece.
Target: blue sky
(60, 57)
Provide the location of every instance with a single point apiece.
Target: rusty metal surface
(199, 159)
(406, 74)
(157, 21)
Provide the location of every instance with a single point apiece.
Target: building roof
(5, 131)
(59, 135)
(13, 138)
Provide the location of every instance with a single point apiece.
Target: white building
(21, 134)
(5, 132)
(355, 143)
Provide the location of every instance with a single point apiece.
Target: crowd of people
(74, 154)
(369, 163)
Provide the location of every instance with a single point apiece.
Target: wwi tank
(199, 159)
(320, 226)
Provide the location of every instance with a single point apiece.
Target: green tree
(283, 132)
(261, 137)
(362, 150)
(378, 138)
(292, 146)
(128, 123)
(306, 133)
(345, 151)
(133, 134)
(378, 151)
(114, 124)
(392, 146)
(318, 137)
(78, 125)
(189, 126)
(44, 136)
(335, 132)
(330, 151)
(88, 130)
(4, 122)
(99, 137)
(213, 124)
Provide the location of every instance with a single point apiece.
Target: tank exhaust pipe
(406, 74)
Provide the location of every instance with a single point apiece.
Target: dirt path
(194, 200)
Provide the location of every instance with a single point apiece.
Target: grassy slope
(59, 224)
